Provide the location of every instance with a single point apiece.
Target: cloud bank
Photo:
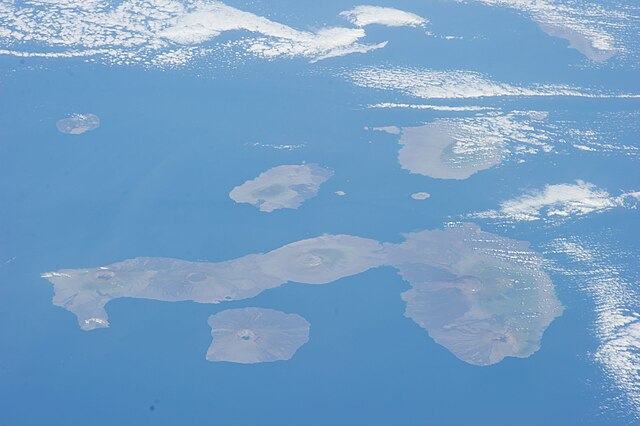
(172, 32)
(362, 16)
(560, 201)
(457, 84)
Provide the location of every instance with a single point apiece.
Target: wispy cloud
(559, 201)
(458, 84)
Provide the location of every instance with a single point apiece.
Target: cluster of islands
(482, 296)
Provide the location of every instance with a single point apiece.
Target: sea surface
(154, 178)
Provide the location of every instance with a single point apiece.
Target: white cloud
(429, 107)
(594, 266)
(362, 16)
(593, 29)
(560, 201)
(208, 21)
(164, 32)
(457, 148)
(454, 84)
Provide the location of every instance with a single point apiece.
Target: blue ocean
(153, 180)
